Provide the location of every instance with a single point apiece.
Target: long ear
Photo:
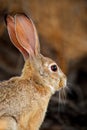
(11, 30)
(26, 34)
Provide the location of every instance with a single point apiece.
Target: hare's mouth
(52, 89)
(62, 84)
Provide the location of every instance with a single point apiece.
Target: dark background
(62, 29)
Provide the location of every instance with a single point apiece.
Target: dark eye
(54, 68)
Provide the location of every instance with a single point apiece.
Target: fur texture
(24, 99)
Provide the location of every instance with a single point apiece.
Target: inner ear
(26, 34)
(12, 35)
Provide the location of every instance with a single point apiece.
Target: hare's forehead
(48, 63)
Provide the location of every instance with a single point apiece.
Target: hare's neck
(27, 70)
(41, 89)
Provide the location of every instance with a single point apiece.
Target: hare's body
(23, 102)
(24, 99)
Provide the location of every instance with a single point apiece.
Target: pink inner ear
(25, 33)
(12, 34)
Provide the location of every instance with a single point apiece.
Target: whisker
(60, 103)
(69, 87)
(62, 99)
(64, 95)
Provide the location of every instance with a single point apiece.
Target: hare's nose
(63, 82)
(63, 79)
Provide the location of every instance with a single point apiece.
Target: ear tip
(24, 14)
(19, 14)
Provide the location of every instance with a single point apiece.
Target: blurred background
(62, 29)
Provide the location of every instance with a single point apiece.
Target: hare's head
(43, 70)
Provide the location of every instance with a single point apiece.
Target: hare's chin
(52, 89)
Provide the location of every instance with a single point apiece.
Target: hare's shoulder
(12, 87)
(14, 83)
(8, 83)
(6, 87)
(14, 91)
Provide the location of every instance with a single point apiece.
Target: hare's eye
(54, 68)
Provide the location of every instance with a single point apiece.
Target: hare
(24, 99)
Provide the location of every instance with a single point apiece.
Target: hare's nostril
(63, 82)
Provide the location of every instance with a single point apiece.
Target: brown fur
(24, 99)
